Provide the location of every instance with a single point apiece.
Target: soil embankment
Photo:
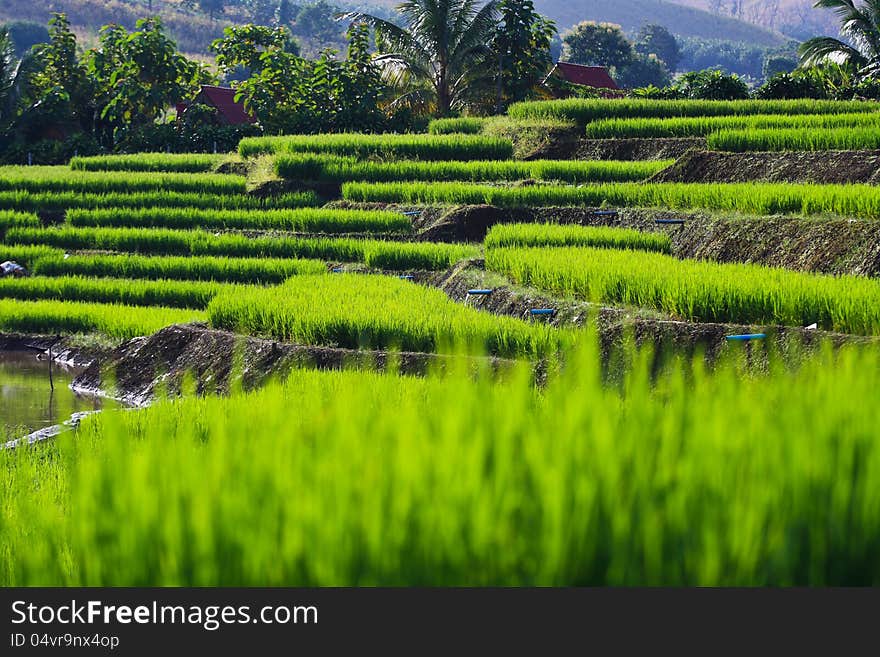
(825, 167)
(135, 372)
(830, 246)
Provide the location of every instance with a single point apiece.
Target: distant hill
(194, 31)
(796, 18)
(679, 19)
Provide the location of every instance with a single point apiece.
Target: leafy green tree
(776, 64)
(285, 14)
(440, 59)
(522, 49)
(658, 41)
(597, 44)
(139, 74)
(25, 34)
(791, 85)
(643, 71)
(63, 80)
(860, 25)
(289, 94)
(712, 85)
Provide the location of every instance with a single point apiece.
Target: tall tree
(658, 41)
(140, 74)
(860, 25)
(441, 55)
(597, 44)
(522, 49)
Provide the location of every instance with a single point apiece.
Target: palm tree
(14, 78)
(860, 25)
(441, 55)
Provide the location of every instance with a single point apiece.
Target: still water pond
(27, 403)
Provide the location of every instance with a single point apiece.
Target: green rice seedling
(583, 111)
(153, 162)
(157, 241)
(697, 290)
(47, 317)
(796, 139)
(63, 179)
(307, 220)
(387, 147)
(857, 201)
(61, 201)
(27, 255)
(701, 126)
(501, 235)
(713, 479)
(253, 271)
(10, 219)
(172, 294)
(465, 125)
(352, 310)
(339, 169)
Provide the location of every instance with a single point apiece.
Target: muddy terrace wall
(825, 167)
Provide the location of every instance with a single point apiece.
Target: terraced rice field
(540, 453)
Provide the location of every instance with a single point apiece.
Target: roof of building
(223, 98)
(588, 76)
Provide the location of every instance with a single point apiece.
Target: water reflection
(27, 402)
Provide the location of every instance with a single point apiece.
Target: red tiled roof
(223, 98)
(588, 76)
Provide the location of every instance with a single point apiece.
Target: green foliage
(778, 64)
(169, 293)
(458, 125)
(253, 271)
(854, 201)
(597, 44)
(340, 310)
(642, 71)
(658, 41)
(27, 256)
(797, 139)
(700, 126)
(48, 317)
(786, 85)
(704, 479)
(530, 235)
(521, 48)
(10, 219)
(362, 146)
(25, 35)
(36, 180)
(582, 111)
(339, 169)
(61, 201)
(860, 29)
(306, 220)
(712, 85)
(697, 290)
(138, 75)
(440, 59)
(155, 241)
(153, 162)
(289, 94)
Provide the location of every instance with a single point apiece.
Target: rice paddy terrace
(461, 358)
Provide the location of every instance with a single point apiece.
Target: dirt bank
(634, 149)
(134, 372)
(827, 167)
(822, 245)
